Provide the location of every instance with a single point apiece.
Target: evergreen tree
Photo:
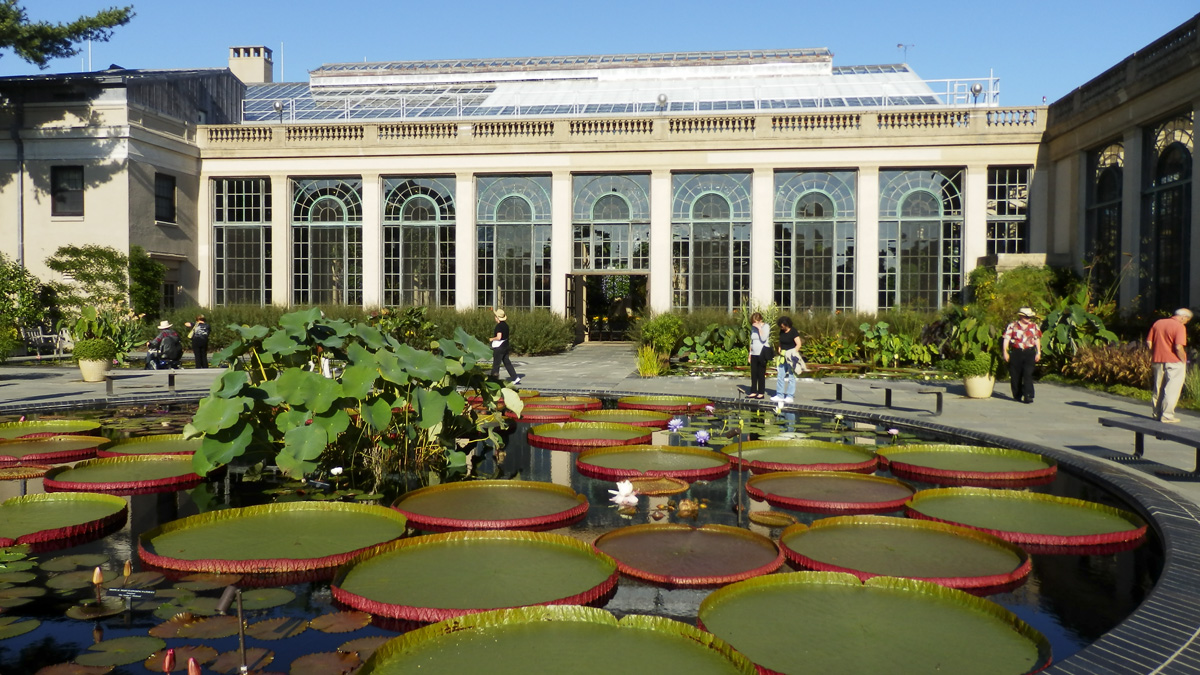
(39, 42)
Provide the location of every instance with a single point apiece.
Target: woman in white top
(760, 334)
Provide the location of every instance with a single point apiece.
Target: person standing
(1022, 349)
(1168, 363)
(789, 368)
(199, 337)
(500, 347)
(760, 353)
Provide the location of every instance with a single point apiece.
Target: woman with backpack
(199, 337)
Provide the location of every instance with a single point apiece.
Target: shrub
(1191, 384)
(979, 364)
(738, 356)
(663, 332)
(649, 361)
(829, 349)
(94, 349)
(145, 282)
(10, 339)
(409, 325)
(1127, 364)
(539, 331)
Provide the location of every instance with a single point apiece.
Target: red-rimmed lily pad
(655, 486)
(562, 402)
(543, 415)
(270, 537)
(13, 626)
(340, 622)
(968, 465)
(681, 555)
(801, 455)
(627, 461)
(257, 658)
(829, 492)
(492, 505)
(586, 641)
(46, 427)
(871, 546)
(201, 653)
(871, 627)
(124, 475)
(22, 472)
(637, 418)
(161, 444)
(53, 450)
(325, 663)
(1029, 517)
(120, 651)
(491, 570)
(49, 517)
(667, 404)
(576, 436)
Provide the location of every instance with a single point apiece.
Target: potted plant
(94, 355)
(978, 373)
(976, 343)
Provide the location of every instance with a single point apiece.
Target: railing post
(108, 386)
(171, 381)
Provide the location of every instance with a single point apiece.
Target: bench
(1142, 427)
(108, 383)
(888, 386)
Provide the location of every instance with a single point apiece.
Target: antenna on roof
(905, 48)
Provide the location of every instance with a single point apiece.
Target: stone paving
(1163, 636)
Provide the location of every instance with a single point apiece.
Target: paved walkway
(1162, 636)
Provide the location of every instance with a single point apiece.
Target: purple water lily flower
(675, 424)
(702, 437)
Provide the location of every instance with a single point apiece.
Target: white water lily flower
(335, 471)
(624, 494)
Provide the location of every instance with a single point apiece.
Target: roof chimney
(252, 65)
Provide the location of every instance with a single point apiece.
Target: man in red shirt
(1022, 348)
(1167, 341)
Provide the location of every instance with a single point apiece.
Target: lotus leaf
(120, 651)
(215, 414)
(340, 622)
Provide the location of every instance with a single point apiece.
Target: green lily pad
(265, 598)
(364, 646)
(67, 563)
(11, 553)
(16, 577)
(202, 606)
(12, 626)
(74, 669)
(69, 581)
(340, 622)
(278, 628)
(210, 628)
(257, 659)
(207, 582)
(324, 663)
(17, 566)
(19, 595)
(171, 627)
(136, 580)
(90, 610)
(120, 651)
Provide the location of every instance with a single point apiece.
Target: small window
(164, 198)
(66, 190)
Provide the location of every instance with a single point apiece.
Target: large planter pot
(979, 386)
(93, 371)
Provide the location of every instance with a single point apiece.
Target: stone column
(281, 240)
(561, 237)
(1193, 288)
(660, 241)
(465, 296)
(1131, 217)
(866, 242)
(204, 243)
(762, 237)
(372, 240)
(974, 232)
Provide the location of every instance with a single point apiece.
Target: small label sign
(132, 593)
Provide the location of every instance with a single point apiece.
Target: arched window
(814, 240)
(1167, 199)
(1102, 228)
(920, 238)
(513, 228)
(611, 222)
(327, 241)
(418, 241)
(710, 247)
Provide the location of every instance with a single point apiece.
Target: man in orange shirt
(1167, 341)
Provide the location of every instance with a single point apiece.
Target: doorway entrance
(604, 303)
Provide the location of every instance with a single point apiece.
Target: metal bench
(888, 386)
(1142, 427)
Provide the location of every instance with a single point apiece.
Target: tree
(39, 42)
(96, 273)
(146, 277)
(19, 295)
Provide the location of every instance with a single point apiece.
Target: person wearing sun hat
(500, 347)
(1168, 363)
(167, 344)
(1022, 348)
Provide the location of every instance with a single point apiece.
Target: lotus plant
(624, 494)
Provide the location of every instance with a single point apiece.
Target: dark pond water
(1072, 599)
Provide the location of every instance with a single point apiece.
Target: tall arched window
(611, 221)
(513, 227)
(920, 238)
(1102, 230)
(418, 241)
(1167, 203)
(327, 241)
(814, 240)
(710, 241)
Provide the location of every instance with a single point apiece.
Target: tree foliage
(96, 273)
(146, 277)
(39, 42)
(19, 295)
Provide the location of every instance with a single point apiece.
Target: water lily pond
(295, 625)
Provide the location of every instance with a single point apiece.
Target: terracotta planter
(979, 386)
(93, 371)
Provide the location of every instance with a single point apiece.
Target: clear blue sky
(1036, 47)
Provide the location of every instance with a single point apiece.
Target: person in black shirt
(500, 348)
(199, 337)
(790, 365)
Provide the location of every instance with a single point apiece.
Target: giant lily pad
(1028, 517)
(47, 427)
(884, 625)
(120, 651)
(491, 570)
(50, 517)
(162, 444)
(586, 641)
(681, 555)
(968, 465)
(627, 461)
(541, 415)
(562, 402)
(576, 436)
(492, 505)
(124, 475)
(270, 538)
(801, 455)
(870, 546)
(22, 471)
(829, 492)
(53, 450)
(637, 418)
(668, 404)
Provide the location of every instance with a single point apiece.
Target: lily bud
(128, 569)
(169, 661)
(97, 576)
(193, 667)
